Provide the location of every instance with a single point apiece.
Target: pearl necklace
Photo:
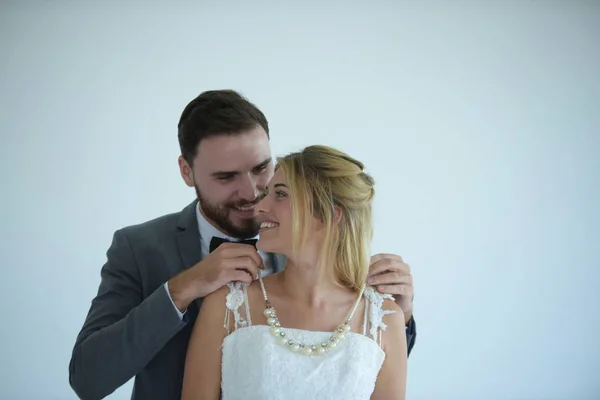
(296, 346)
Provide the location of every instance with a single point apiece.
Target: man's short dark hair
(216, 112)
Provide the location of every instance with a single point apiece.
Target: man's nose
(249, 190)
(264, 205)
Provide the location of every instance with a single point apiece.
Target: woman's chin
(267, 246)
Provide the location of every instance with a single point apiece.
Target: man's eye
(260, 170)
(225, 178)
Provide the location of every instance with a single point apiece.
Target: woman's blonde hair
(323, 182)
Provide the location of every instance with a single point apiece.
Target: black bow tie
(217, 241)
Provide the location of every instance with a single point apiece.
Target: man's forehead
(233, 153)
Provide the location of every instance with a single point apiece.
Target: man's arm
(122, 331)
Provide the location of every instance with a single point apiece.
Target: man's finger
(388, 265)
(243, 263)
(402, 290)
(390, 278)
(380, 256)
(235, 250)
(240, 276)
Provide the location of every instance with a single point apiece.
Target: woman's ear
(337, 214)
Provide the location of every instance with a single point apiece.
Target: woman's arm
(391, 382)
(202, 374)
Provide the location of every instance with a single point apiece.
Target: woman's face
(275, 215)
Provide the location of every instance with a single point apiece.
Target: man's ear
(187, 173)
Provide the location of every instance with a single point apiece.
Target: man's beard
(219, 214)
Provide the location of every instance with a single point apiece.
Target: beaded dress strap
(237, 296)
(374, 313)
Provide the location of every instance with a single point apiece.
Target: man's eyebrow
(218, 174)
(234, 173)
(263, 164)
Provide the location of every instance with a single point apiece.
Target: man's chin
(246, 227)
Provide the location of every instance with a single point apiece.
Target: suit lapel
(188, 241)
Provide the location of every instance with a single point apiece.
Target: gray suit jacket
(132, 329)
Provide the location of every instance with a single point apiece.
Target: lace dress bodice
(255, 365)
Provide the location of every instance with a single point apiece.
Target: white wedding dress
(257, 366)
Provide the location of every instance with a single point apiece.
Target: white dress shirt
(207, 232)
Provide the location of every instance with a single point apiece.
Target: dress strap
(237, 296)
(374, 313)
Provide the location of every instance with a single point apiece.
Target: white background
(479, 120)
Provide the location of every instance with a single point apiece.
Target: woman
(314, 330)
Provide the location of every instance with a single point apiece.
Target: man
(157, 272)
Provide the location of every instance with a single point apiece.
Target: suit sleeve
(122, 331)
(411, 334)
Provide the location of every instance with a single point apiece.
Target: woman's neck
(307, 282)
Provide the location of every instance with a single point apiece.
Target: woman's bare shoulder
(393, 319)
(393, 308)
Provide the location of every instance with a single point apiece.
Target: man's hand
(390, 274)
(229, 262)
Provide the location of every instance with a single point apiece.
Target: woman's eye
(280, 194)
